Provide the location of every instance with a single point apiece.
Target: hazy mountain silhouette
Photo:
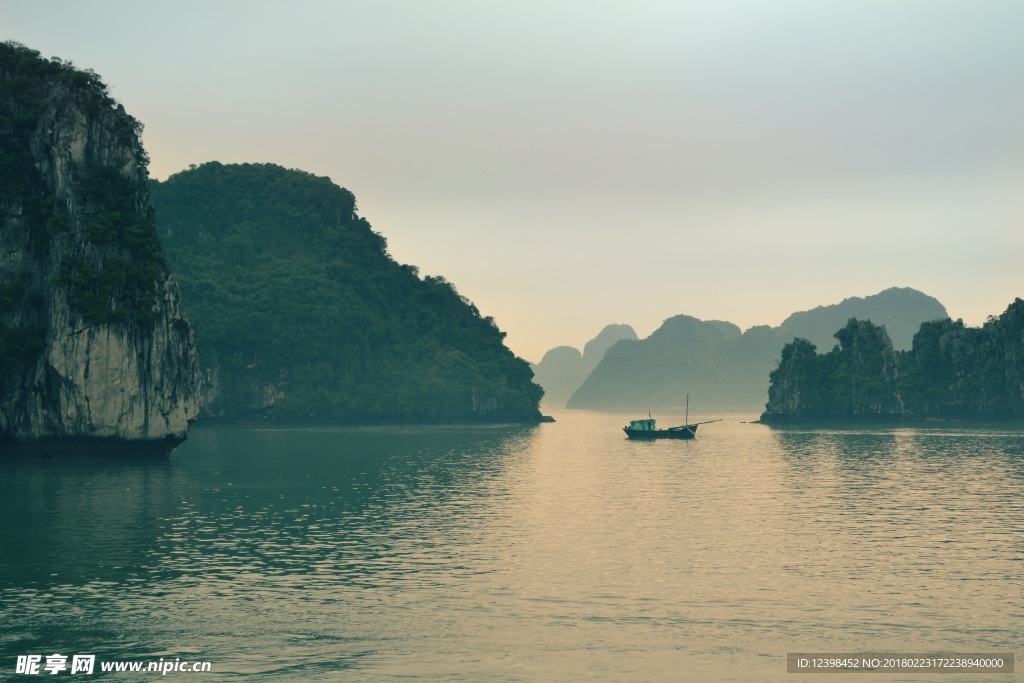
(560, 373)
(563, 368)
(900, 309)
(723, 368)
(596, 348)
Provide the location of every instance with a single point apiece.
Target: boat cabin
(642, 425)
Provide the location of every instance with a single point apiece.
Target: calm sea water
(552, 552)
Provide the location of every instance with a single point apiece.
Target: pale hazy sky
(569, 163)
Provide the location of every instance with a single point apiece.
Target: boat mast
(687, 420)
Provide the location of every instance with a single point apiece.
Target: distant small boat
(646, 429)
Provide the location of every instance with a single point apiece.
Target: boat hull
(684, 432)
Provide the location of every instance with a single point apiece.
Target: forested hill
(300, 313)
(951, 372)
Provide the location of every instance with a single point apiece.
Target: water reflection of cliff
(81, 520)
(899, 464)
(321, 507)
(280, 501)
(842, 447)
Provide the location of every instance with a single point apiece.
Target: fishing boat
(646, 429)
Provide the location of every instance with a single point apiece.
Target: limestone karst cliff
(960, 372)
(951, 372)
(93, 349)
(858, 379)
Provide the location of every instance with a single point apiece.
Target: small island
(299, 311)
(952, 372)
(302, 315)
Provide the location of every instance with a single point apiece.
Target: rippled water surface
(552, 552)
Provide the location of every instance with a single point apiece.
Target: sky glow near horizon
(572, 164)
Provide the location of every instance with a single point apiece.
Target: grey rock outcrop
(959, 372)
(793, 382)
(857, 380)
(952, 372)
(93, 349)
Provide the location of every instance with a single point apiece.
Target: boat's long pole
(687, 420)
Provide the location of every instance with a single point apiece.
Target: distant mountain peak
(728, 368)
(594, 350)
(563, 368)
(902, 308)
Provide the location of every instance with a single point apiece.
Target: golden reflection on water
(553, 552)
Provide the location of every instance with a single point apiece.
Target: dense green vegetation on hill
(300, 312)
(27, 81)
(114, 278)
(951, 371)
(959, 371)
(857, 378)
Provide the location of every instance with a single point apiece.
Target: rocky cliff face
(93, 348)
(1010, 337)
(793, 382)
(867, 364)
(952, 372)
(858, 380)
(955, 371)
